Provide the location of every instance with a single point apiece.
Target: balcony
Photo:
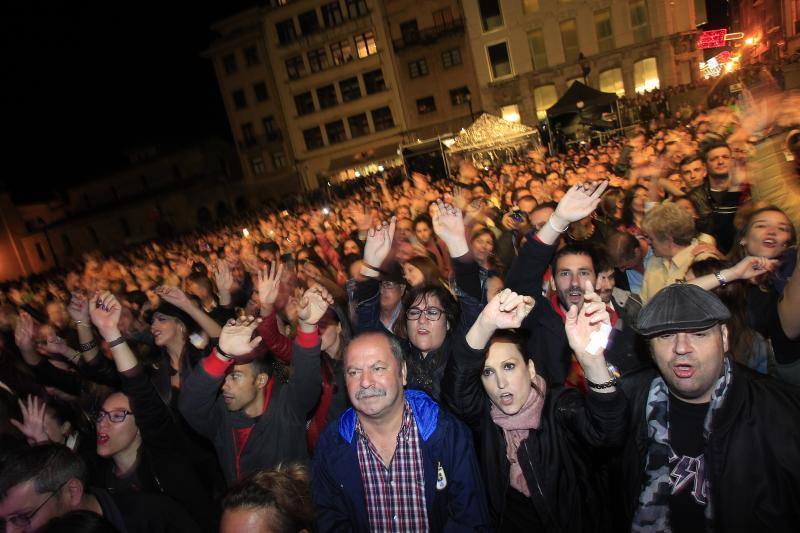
(270, 140)
(322, 34)
(428, 36)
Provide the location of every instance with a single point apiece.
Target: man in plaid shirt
(395, 461)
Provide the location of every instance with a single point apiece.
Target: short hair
(283, 494)
(576, 249)
(621, 247)
(202, 280)
(689, 159)
(713, 145)
(394, 343)
(49, 465)
(544, 205)
(667, 221)
(602, 262)
(79, 522)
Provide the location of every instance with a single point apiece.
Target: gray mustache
(369, 393)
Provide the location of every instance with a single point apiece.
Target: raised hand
(448, 223)
(235, 339)
(223, 278)
(379, 243)
(580, 201)
(32, 425)
(506, 310)
(78, 307)
(105, 311)
(268, 285)
(750, 267)
(24, 332)
(587, 332)
(55, 345)
(313, 304)
(362, 217)
(174, 296)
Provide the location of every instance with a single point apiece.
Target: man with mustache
(394, 461)
(711, 444)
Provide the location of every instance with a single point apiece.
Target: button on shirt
(395, 495)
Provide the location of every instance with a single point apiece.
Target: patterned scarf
(653, 511)
(517, 427)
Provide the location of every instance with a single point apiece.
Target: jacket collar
(423, 408)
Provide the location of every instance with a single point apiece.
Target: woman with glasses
(141, 446)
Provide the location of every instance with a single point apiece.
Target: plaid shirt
(395, 495)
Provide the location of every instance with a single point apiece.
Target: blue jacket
(458, 506)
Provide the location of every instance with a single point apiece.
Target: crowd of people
(606, 339)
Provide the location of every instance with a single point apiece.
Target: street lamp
(468, 99)
(586, 67)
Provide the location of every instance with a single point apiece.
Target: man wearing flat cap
(712, 446)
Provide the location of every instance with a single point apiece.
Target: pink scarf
(517, 427)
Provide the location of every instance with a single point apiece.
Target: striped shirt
(395, 495)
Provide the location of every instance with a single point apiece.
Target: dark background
(86, 81)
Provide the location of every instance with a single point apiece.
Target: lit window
(530, 6)
(544, 97)
(510, 113)
(341, 52)
(645, 75)
(611, 81)
(365, 44)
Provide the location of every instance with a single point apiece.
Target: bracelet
(720, 278)
(550, 223)
(376, 269)
(600, 386)
(87, 346)
(223, 354)
(116, 342)
(81, 324)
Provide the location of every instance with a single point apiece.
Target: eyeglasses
(431, 313)
(115, 416)
(24, 520)
(389, 285)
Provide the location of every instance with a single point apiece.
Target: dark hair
(282, 494)
(621, 247)
(689, 159)
(79, 522)
(627, 205)
(738, 252)
(494, 260)
(422, 218)
(576, 249)
(545, 205)
(202, 280)
(49, 465)
(430, 270)
(607, 207)
(423, 292)
(713, 145)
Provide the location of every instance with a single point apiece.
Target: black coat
(558, 459)
(752, 457)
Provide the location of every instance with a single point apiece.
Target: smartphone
(516, 215)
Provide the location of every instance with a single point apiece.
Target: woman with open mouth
(535, 443)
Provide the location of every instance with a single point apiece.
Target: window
(326, 96)
(251, 56)
(538, 50)
(257, 164)
(569, 39)
(355, 8)
(451, 58)
(510, 113)
(639, 21)
(279, 160)
(459, 95)
(239, 99)
(373, 81)
(382, 119)
(331, 14)
(350, 89)
(40, 252)
(295, 67)
(304, 103)
(426, 105)
(286, 32)
(335, 131)
(260, 89)
(270, 127)
(645, 75)
(499, 60)
(611, 81)
(365, 44)
(341, 52)
(409, 31)
(313, 138)
(491, 17)
(443, 18)
(359, 126)
(229, 63)
(248, 134)
(605, 33)
(544, 97)
(418, 68)
(317, 60)
(309, 23)
(530, 6)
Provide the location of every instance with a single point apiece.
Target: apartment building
(433, 62)
(252, 103)
(332, 61)
(528, 52)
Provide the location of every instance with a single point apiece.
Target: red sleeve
(330, 254)
(279, 344)
(214, 366)
(307, 340)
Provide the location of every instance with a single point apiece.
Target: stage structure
(580, 113)
(491, 139)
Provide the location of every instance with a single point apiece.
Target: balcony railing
(323, 32)
(261, 141)
(428, 35)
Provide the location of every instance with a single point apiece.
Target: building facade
(528, 52)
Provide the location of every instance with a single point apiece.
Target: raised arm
(746, 269)
(178, 298)
(268, 286)
(306, 381)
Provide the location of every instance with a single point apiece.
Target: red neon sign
(711, 39)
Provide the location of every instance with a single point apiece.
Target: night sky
(86, 81)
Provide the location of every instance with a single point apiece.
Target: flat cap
(680, 307)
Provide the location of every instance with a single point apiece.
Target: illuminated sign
(711, 39)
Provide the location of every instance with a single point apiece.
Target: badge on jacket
(441, 479)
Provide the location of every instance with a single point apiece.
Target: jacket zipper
(539, 488)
